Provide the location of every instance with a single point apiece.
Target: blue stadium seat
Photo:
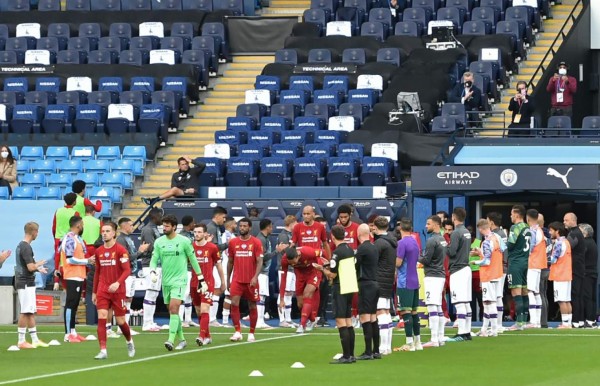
(77, 5)
(135, 97)
(272, 210)
(356, 16)
(50, 44)
(108, 152)
(96, 166)
(276, 124)
(19, 86)
(328, 137)
(341, 171)
(288, 111)
(229, 137)
(308, 171)
(49, 193)
(319, 150)
(102, 98)
(286, 56)
(154, 118)
(174, 43)
(365, 97)
(330, 97)
(268, 82)
(418, 16)
(356, 110)
(430, 6)
(26, 118)
(241, 124)
(168, 100)
(23, 193)
(212, 51)
(200, 60)
(49, 85)
(316, 16)
(253, 151)
(185, 31)
(558, 126)
(120, 31)
(112, 84)
(407, 28)
(511, 28)
(23, 166)
(132, 57)
(319, 55)
(294, 138)
(136, 5)
(167, 5)
(443, 125)
(59, 180)
(241, 171)
(275, 171)
(329, 6)
(116, 180)
(4, 193)
(200, 5)
(319, 110)
(31, 153)
(83, 153)
(106, 194)
(336, 82)
(217, 31)
(296, 97)
(58, 118)
(178, 86)
(384, 16)
(474, 28)
(374, 29)
(106, 5)
(375, 171)
(71, 57)
(497, 5)
(457, 111)
(62, 32)
(36, 98)
(590, 127)
(352, 150)
(302, 82)
(8, 57)
(236, 7)
(214, 171)
(71, 166)
(452, 14)
(464, 6)
(43, 166)
(9, 98)
(252, 110)
(487, 16)
(16, 5)
(80, 44)
(261, 138)
(48, 5)
(92, 32)
(524, 18)
(102, 57)
(34, 180)
(285, 151)
(89, 118)
(309, 124)
(354, 55)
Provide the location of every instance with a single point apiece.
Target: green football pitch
(535, 357)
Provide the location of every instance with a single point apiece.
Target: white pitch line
(36, 377)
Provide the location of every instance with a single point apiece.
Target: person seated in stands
(253, 213)
(469, 95)
(522, 109)
(184, 183)
(8, 169)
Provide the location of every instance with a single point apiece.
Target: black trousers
(577, 298)
(324, 290)
(544, 294)
(73, 290)
(590, 288)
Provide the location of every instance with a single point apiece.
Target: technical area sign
(498, 177)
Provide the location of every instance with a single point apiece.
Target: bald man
(367, 259)
(310, 233)
(577, 241)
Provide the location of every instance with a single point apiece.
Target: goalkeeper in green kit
(173, 252)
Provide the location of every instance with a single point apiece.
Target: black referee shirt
(366, 261)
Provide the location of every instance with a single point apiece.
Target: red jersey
(314, 235)
(112, 265)
(304, 267)
(243, 254)
(207, 256)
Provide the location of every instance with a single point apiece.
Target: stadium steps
(209, 116)
(535, 55)
(285, 7)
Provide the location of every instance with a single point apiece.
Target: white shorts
(290, 281)
(27, 300)
(263, 284)
(186, 295)
(216, 278)
(130, 287)
(488, 291)
(500, 286)
(149, 284)
(533, 280)
(461, 286)
(383, 303)
(562, 291)
(434, 288)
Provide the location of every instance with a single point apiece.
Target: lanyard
(559, 87)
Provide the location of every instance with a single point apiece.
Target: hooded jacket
(386, 246)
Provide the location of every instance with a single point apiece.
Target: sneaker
(251, 338)
(185, 325)
(406, 347)
(267, 316)
(341, 361)
(531, 325)
(194, 324)
(81, 338)
(310, 325)
(323, 323)
(385, 352)
(133, 332)
(457, 338)
(200, 341)
(101, 355)
(564, 327)
(364, 357)
(151, 328)
(300, 330)
(246, 318)
(164, 327)
(356, 323)
(482, 334)
(130, 349)
(431, 344)
(418, 346)
(169, 346)
(39, 343)
(376, 355)
(207, 341)
(467, 336)
(285, 324)
(181, 345)
(501, 330)
(215, 323)
(263, 325)
(72, 339)
(237, 337)
(111, 334)
(516, 327)
(25, 345)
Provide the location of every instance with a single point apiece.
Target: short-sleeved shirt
(207, 256)
(408, 251)
(243, 255)
(173, 255)
(343, 251)
(24, 256)
(351, 235)
(519, 243)
(309, 236)
(112, 265)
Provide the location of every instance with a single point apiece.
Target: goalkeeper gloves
(202, 286)
(153, 276)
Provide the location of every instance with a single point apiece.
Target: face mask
(562, 71)
(468, 84)
(4, 154)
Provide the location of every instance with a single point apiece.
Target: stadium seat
(497, 5)
(452, 14)
(477, 27)
(354, 55)
(4, 193)
(96, 166)
(274, 171)
(317, 17)
(136, 5)
(241, 171)
(77, 5)
(443, 125)
(138, 155)
(58, 118)
(285, 150)
(389, 55)
(71, 166)
(352, 150)
(167, 5)
(341, 171)
(374, 29)
(213, 173)
(487, 16)
(286, 56)
(590, 126)
(89, 118)
(319, 55)
(457, 111)
(33, 179)
(200, 5)
(106, 5)
(43, 166)
(26, 118)
(558, 126)
(308, 171)
(60, 180)
(418, 16)
(23, 193)
(375, 171)
(218, 32)
(83, 153)
(48, 5)
(49, 193)
(31, 153)
(62, 32)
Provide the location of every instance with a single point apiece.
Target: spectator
(562, 87)
(253, 213)
(8, 169)
(522, 109)
(590, 282)
(469, 95)
(184, 183)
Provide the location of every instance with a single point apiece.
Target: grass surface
(535, 357)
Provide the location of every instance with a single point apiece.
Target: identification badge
(559, 97)
(517, 118)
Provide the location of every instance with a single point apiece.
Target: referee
(368, 292)
(342, 303)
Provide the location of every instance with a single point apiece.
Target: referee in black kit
(342, 303)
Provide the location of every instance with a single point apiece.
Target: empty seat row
(235, 6)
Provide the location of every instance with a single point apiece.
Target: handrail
(562, 34)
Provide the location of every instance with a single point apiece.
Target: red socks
(306, 312)
(315, 303)
(102, 333)
(204, 325)
(235, 317)
(253, 319)
(126, 331)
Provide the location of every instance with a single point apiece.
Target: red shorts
(244, 290)
(304, 279)
(198, 298)
(116, 301)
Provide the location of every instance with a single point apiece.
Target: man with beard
(184, 182)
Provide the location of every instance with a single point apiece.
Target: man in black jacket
(469, 95)
(184, 183)
(577, 242)
(590, 283)
(522, 108)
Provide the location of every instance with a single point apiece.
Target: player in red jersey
(245, 261)
(307, 279)
(310, 233)
(208, 257)
(112, 269)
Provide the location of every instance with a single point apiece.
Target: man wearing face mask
(562, 88)
(469, 95)
(522, 109)
(185, 182)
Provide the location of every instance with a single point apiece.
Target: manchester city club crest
(508, 177)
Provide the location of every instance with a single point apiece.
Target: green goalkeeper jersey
(519, 240)
(173, 256)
